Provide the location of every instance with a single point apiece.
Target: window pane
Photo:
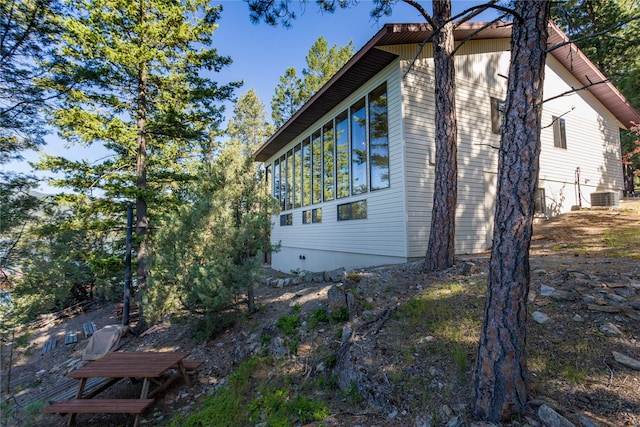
(328, 148)
(276, 179)
(540, 201)
(378, 138)
(358, 148)
(316, 215)
(306, 217)
(559, 133)
(306, 173)
(290, 179)
(344, 212)
(283, 182)
(316, 144)
(297, 180)
(497, 115)
(359, 210)
(286, 219)
(342, 155)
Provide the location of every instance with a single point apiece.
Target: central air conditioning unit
(605, 198)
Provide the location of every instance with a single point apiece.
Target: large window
(328, 148)
(290, 180)
(347, 156)
(306, 172)
(342, 154)
(379, 138)
(316, 148)
(358, 148)
(297, 182)
(559, 133)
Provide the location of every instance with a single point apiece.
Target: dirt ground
(601, 245)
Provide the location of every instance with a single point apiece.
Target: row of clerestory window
(347, 156)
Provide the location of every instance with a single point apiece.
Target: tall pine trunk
(500, 382)
(142, 216)
(441, 249)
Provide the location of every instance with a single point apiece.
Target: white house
(353, 168)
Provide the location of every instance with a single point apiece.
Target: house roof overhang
(370, 60)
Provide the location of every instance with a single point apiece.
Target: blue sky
(262, 53)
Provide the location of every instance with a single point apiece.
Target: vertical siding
(379, 237)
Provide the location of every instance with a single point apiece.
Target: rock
(540, 271)
(546, 291)
(625, 292)
(334, 275)
(603, 308)
(610, 330)
(552, 418)
(562, 296)
(616, 299)
(578, 318)
(635, 304)
(424, 421)
(278, 349)
(586, 422)
(468, 268)
(626, 360)
(445, 412)
(540, 317)
(456, 421)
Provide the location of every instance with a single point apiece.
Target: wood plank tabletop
(130, 365)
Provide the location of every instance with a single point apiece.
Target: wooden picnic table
(118, 365)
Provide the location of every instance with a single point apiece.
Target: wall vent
(605, 198)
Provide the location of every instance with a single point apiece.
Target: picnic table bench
(99, 406)
(117, 365)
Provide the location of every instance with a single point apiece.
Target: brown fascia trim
(354, 60)
(607, 93)
(568, 55)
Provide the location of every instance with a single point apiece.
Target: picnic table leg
(183, 371)
(72, 417)
(143, 395)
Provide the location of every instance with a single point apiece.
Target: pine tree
(292, 92)
(500, 376)
(142, 93)
(28, 30)
(210, 251)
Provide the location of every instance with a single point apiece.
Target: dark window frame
(559, 132)
(346, 211)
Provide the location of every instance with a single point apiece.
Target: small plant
(328, 382)
(265, 339)
(294, 344)
(459, 356)
(296, 308)
(353, 393)
(275, 407)
(318, 316)
(289, 324)
(340, 315)
(354, 277)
